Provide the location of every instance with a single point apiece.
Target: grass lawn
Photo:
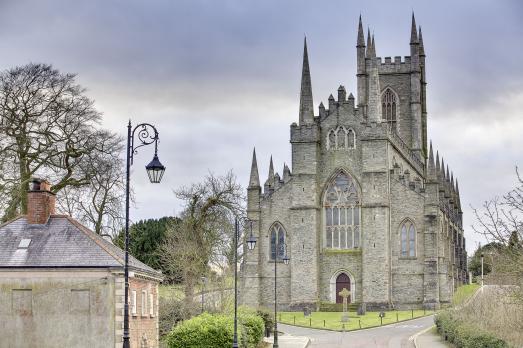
(332, 320)
(463, 293)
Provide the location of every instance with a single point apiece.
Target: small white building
(62, 285)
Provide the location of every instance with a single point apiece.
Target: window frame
(144, 301)
(393, 102)
(408, 240)
(133, 303)
(340, 229)
(277, 230)
(151, 304)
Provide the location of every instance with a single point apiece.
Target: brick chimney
(40, 202)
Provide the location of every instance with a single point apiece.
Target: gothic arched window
(388, 107)
(277, 241)
(351, 137)
(408, 239)
(331, 141)
(341, 138)
(342, 213)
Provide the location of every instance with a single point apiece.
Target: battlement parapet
(306, 133)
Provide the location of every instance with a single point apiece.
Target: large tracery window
(342, 213)
(408, 239)
(388, 107)
(277, 234)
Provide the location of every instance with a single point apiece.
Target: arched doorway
(342, 281)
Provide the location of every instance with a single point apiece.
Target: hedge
(464, 335)
(217, 330)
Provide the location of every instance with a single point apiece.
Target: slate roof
(61, 242)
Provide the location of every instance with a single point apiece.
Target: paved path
(389, 336)
(431, 339)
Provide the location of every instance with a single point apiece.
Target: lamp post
(482, 269)
(251, 244)
(147, 134)
(285, 261)
(203, 290)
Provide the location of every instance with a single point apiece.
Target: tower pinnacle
(431, 168)
(413, 31)
(421, 47)
(361, 38)
(306, 104)
(254, 180)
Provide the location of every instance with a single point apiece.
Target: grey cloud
(219, 77)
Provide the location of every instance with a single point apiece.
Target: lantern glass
(155, 170)
(286, 260)
(251, 243)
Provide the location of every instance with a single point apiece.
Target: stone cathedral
(366, 205)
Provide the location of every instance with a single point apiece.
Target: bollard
(412, 310)
(360, 323)
(310, 321)
(323, 322)
(343, 326)
(294, 320)
(381, 320)
(397, 318)
(424, 311)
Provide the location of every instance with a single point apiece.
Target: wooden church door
(342, 281)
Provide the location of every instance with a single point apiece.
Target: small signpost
(344, 293)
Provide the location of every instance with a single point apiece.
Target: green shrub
(203, 331)
(268, 319)
(217, 330)
(252, 327)
(464, 335)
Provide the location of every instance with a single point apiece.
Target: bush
(268, 319)
(217, 330)
(252, 327)
(464, 335)
(171, 312)
(203, 331)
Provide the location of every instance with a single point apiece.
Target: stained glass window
(342, 213)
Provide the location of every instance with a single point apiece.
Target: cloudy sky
(219, 77)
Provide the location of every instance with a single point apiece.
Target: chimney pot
(40, 202)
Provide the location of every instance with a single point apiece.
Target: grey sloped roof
(61, 242)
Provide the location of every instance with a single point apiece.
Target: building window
(389, 108)
(277, 234)
(144, 303)
(408, 239)
(133, 302)
(351, 139)
(342, 213)
(151, 305)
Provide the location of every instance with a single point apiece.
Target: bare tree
(500, 220)
(99, 204)
(203, 235)
(49, 128)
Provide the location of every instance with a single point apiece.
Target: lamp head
(155, 170)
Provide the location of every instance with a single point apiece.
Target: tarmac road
(389, 336)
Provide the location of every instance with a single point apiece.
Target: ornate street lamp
(286, 260)
(251, 244)
(147, 134)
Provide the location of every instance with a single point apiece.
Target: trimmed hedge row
(465, 335)
(217, 330)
